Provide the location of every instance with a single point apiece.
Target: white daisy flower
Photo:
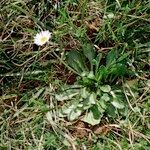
(109, 16)
(42, 38)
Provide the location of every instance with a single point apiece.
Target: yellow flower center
(43, 39)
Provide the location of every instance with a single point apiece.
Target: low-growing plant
(94, 95)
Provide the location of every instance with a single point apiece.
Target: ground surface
(88, 88)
